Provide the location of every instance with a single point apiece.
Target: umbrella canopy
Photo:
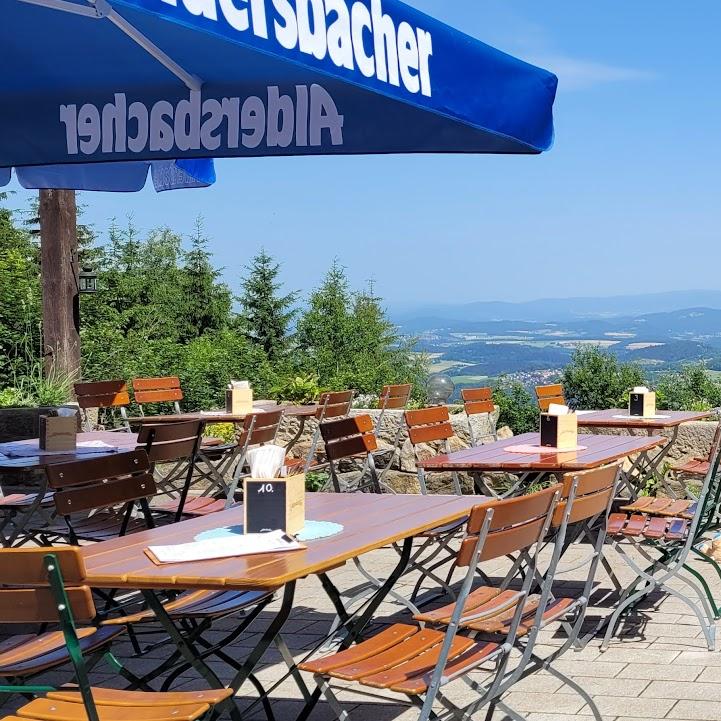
(96, 92)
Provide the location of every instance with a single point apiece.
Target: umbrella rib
(103, 9)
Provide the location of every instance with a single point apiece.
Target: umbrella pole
(61, 302)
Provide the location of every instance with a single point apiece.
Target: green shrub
(691, 388)
(518, 409)
(300, 389)
(595, 379)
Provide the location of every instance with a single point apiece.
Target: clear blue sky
(627, 200)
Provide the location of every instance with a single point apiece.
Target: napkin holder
(271, 504)
(559, 431)
(642, 404)
(58, 433)
(239, 401)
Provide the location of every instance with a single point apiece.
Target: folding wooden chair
(95, 498)
(42, 585)
(664, 532)
(393, 397)
(545, 395)
(479, 630)
(258, 429)
(334, 404)
(165, 390)
(347, 438)
(24, 656)
(177, 444)
(106, 396)
(479, 401)
(430, 425)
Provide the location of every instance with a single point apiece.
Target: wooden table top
(119, 439)
(223, 417)
(608, 419)
(599, 451)
(370, 521)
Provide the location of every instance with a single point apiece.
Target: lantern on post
(87, 280)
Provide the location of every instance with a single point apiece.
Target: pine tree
(207, 302)
(324, 327)
(266, 315)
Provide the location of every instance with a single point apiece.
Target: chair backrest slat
(594, 491)
(348, 437)
(101, 482)
(157, 390)
(102, 394)
(260, 428)
(429, 424)
(25, 596)
(477, 400)
(545, 395)
(168, 442)
(394, 397)
(515, 525)
(38, 605)
(334, 404)
(26, 567)
(110, 492)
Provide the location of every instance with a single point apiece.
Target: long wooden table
(599, 450)
(369, 522)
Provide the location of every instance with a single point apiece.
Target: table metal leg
(297, 436)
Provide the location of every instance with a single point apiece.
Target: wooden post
(61, 303)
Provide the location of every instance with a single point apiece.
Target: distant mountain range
(556, 309)
(473, 349)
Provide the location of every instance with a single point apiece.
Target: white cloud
(574, 74)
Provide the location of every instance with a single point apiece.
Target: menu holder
(58, 433)
(642, 404)
(239, 401)
(272, 504)
(559, 431)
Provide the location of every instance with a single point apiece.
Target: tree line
(163, 308)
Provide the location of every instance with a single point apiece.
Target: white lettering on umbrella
(307, 117)
(349, 33)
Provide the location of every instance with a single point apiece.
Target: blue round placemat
(312, 531)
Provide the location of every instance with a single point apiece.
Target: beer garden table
(536, 463)
(370, 522)
(646, 465)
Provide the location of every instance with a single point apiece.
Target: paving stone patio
(657, 668)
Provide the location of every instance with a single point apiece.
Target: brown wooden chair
(47, 585)
(391, 398)
(107, 396)
(348, 438)
(172, 443)
(479, 401)
(95, 498)
(257, 430)
(430, 425)
(333, 404)
(545, 395)
(165, 390)
(418, 661)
